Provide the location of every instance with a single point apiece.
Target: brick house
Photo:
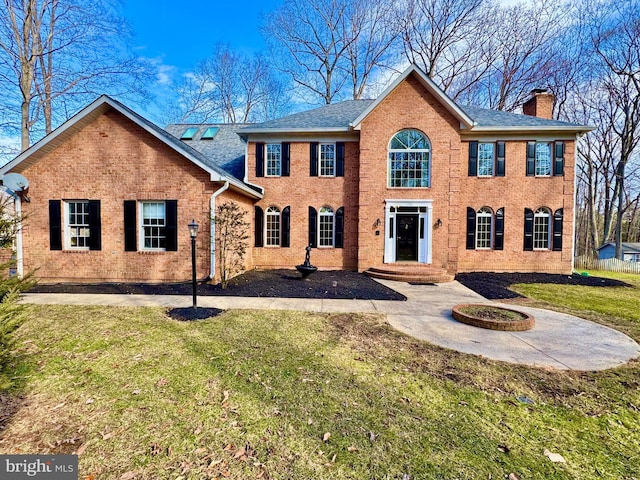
(410, 184)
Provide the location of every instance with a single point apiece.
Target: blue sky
(177, 35)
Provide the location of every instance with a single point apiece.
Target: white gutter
(212, 233)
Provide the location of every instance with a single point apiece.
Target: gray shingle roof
(627, 247)
(225, 151)
(336, 116)
(485, 117)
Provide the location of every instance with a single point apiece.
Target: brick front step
(411, 273)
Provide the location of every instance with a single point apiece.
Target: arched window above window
(541, 228)
(325, 227)
(484, 224)
(409, 160)
(273, 226)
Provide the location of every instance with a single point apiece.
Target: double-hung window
(274, 159)
(325, 227)
(484, 224)
(153, 234)
(77, 232)
(327, 159)
(486, 159)
(541, 229)
(273, 227)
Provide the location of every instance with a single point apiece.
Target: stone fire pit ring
(522, 322)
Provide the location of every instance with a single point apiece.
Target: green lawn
(289, 395)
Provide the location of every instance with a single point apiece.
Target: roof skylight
(209, 133)
(189, 133)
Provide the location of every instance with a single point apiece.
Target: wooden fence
(610, 265)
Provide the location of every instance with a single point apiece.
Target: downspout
(19, 257)
(212, 207)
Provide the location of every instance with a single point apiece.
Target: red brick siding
(299, 191)
(113, 160)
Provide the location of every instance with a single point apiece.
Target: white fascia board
(577, 130)
(284, 131)
(430, 85)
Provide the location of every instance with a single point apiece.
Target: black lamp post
(193, 232)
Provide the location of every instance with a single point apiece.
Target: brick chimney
(540, 104)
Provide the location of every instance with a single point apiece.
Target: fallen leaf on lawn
(372, 437)
(261, 474)
(162, 382)
(89, 401)
(81, 449)
(136, 392)
(333, 459)
(503, 448)
(326, 437)
(352, 449)
(128, 476)
(225, 396)
(60, 405)
(155, 449)
(107, 436)
(169, 451)
(240, 453)
(228, 447)
(554, 457)
(89, 477)
(513, 476)
(310, 421)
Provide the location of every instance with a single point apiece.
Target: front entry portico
(408, 231)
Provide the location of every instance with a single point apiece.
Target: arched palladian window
(325, 227)
(409, 160)
(484, 226)
(541, 228)
(273, 226)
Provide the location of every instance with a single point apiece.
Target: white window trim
(491, 227)
(335, 159)
(141, 237)
(425, 254)
(549, 216)
(266, 163)
(493, 160)
(404, 150)
(333, 226)
(266, 228)
(535, 160)
(67, 226)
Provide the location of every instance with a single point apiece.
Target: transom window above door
(409, 160)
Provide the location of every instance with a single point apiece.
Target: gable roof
(348, 116)
(627, 247)
(97, 108)
(226, 150)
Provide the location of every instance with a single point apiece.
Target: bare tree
(616, 40)
(230, 87)
(56, 54)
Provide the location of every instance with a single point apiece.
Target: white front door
(408, 231)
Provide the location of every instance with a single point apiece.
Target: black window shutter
(259, 159)
(313, 159)
(339, 238)
(339, 159)
(471, 228)
(55, 225)
(557, 230)
(130, 226)
(286, 227)
(313, 227)
(473, 159)
(531, 159)
(286, 159)
(95, 225)
(498, 236)
(171, 225)
(528, 229)
(558, 163)
(258, 227)
(500, 159)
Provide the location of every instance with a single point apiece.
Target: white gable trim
(466, 122)
(96, 108)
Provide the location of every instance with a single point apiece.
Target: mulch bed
(255, 283)
(495, 286)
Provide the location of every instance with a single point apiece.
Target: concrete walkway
(557, 341)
